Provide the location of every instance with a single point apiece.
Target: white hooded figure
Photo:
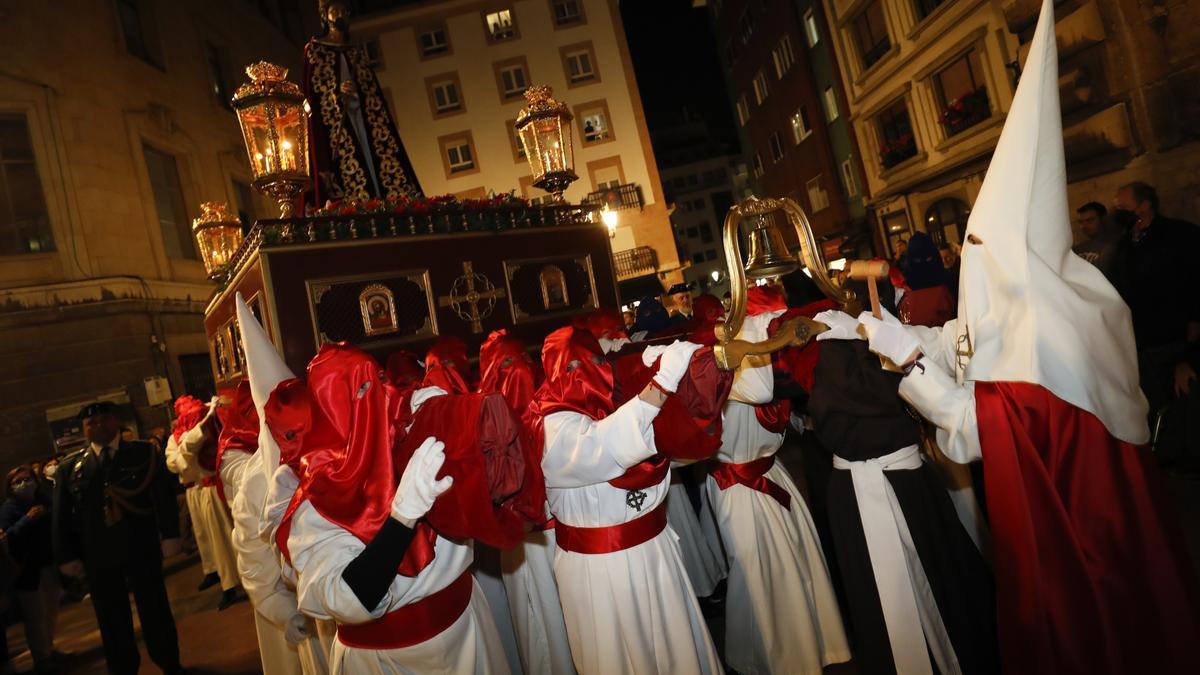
(1038, 378)
(289, 642)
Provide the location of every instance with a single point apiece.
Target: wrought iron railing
(627, 196)
(635, 262)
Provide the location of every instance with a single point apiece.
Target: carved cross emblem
(634, 499)
(472, 297)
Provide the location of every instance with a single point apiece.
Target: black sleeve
(371, 573)
(65, 540)
(162, 488)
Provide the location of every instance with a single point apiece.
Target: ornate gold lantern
(274, 118)
(218, 234)
(545, 129)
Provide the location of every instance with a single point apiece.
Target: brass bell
(769, 256)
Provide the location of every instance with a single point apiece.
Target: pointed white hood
(265, 370)
(1031, 309)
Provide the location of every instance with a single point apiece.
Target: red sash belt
(411, 624)
(209, 481)
(614, 537)
(550, 525)
(752, 475)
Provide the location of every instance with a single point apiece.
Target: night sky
(677, 65)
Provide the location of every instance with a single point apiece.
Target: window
(458, 154)
(141, 39)
(925, 7)
(760, 88)
(579, 62)
(697, 258)
(831, 106)
(818, 199)
(870, 34)
(692, 180)
(800, 127)
(710, 254)
(961, 94)
(758, 166)
(706, 233)
(244, 200)
(776, 147)
(593, 120)
(746, 27)
(512, 78)
(24, 223)
(567, 12)
(445, 97)
(783, 56)
(433, 42)
(946, 220)
(693, 232)
(811, 32)
(698, 204)
(500, 25)
(848, 178)
(216, 73)
(514, 137)
(168, 203)
(896, 140)
(743, 110)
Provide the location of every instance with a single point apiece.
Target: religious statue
(357, 153)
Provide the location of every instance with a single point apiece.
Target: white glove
(842, 326)
(72, 569)
(651, 354)
(890, 338)
(296, 629)
(797, 423)
(418, 486)
(172, 547)
(610, 346)
(674, 364)
(212, 408)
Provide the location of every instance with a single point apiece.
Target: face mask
(1125, 218)
(24, 489)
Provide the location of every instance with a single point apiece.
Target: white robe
(211, 523)
(320, 552)
(632, 611)
(528, 574)
(261, 574)
(486, 571)
(781, 614)
(704, 563)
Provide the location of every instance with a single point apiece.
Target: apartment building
(455, 71)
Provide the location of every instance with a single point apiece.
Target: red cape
(1091, 574)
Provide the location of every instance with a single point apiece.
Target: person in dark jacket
(928, 301)
(115, 519)
(25, 521)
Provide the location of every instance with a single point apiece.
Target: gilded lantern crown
(541, 104)
(218, 233)
(266, 79)
(544, 126)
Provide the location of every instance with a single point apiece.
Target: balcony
(620, 197)
(635, 262)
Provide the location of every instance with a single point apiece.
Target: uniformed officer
(115, 518)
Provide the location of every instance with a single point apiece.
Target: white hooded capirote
(1029, 309)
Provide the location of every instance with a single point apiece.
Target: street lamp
(274, 118)
(544, 126)
(609, 218)
(218, 234)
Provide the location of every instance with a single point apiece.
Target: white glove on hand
(674, 364)
(842, 326)
(172, 547)
(890, 338)
(651, 354)
(296, 629)
(72, 569)
(212, 408)
(418, 486)
(797, 423)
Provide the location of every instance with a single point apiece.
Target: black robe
(858, 414)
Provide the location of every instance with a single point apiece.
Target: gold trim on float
(404, 239)
(511, 267)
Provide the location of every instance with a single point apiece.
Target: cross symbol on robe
(471, 297)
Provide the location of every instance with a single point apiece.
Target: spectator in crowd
(1100, 238)
(652, 318)
(630, 319)
(928, 301)
(1155, 274)
(25, 522)
(681, 298)
(950, 261)
(901, 252)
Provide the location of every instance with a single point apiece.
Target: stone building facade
(114, 127)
